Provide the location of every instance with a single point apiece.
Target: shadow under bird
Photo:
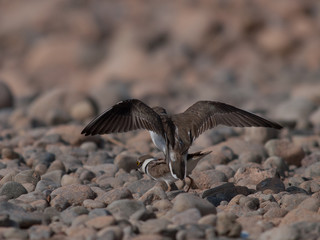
(173, 134)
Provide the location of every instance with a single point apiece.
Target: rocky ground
(63, 62)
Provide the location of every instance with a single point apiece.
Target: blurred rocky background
(64, 60)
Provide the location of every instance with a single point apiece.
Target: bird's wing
(208, 114)
(125, 116)
(158, 168)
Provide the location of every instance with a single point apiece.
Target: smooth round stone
(210, 219)
(87, 175)
(115, 194)
(6, 96)
(54, 176)
(12, 190)
(9, 153)
(190, 216)
(27, 176)
(38, 232)
(91, 204)
(227, 225)
(82, 110)
(89, 146)
(276, 162)
(100, 222)
(57, 165)
(124, 208)
(271, 185)
(126, 161)
(44, 185)
(41, 168)
(290, 152)
(69, 179)
(29, 186)
(75, 194)
(186, 201)
(248, 157)
(69, 214)
(154, 226)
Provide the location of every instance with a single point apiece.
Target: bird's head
(144, 159)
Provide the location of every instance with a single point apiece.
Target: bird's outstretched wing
(128, 115)
(208, 114)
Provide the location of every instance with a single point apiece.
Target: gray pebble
(12, 190)
(124, 208)
(69, 214)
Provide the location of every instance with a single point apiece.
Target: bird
(173, 134)
(159, 170)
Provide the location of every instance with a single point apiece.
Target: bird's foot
(188, 183)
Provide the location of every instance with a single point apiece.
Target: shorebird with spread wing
(173, 134)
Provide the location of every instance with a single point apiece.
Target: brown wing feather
(208, 114)
(125, 116)
(158, 168)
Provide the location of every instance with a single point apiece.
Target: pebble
(247, 157)
(69, 215)
(312, 171)
(291, 201)
(111, 232)
(204, 179)
(251, 176)
(224, 192)
(39, 232)
(14, 233)
(140, 186)
(228, 171)
(154, 226)
(69, 179)
(210, 219)
(302, 230)
(270, 185)
(227, 225)
(124, 208)
(187, 201)
(92, 204)
(115, 194)
(189, 216)
(12, 190)
(7, 98)
(9, 153)
(278, 163)
(315, 117)
(19, 216)
(54, 176)
(300, 215)
(74, 193)
(27, 176)
(44, 185)
(126, 161)
(288, 151)
(89, 146)
(260, 135)
(100, 222)
(83, 110)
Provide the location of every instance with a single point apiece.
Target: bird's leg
(188, 183)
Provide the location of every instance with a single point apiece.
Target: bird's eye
(138, 163)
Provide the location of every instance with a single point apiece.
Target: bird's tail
(193, 159)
